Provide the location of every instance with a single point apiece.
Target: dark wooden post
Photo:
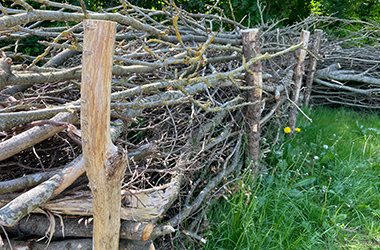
(251, 48)
(300, 55)
(105, 164)
(313, 64)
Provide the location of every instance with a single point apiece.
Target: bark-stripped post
(105, 164)
(300, 55)
(253, 77)
(313, 64)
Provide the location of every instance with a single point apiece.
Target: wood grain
(105, 164)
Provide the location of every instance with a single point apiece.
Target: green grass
(321, 190)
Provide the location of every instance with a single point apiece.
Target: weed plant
(320, 190)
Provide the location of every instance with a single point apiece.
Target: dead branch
(177, 91)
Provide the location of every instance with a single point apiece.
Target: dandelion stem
(324, 203)
(348, 177)
(365, 144)
(349, 159)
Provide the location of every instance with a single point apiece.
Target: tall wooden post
(251, 48)
(105, 164)
(300, 55)
(313, 64)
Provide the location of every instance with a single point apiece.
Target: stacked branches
(348, 72)
(177, 99)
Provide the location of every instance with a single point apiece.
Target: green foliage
(247, 11)
(90, 4)
(321, 190)
(27, 45)
(349, 9)
(137, 135)
(100, 4)
(31, 47)
(315, 7)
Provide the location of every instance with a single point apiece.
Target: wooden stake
(313, 64)
(251, 48)
(105, 164)
(297, 78)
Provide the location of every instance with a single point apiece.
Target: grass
(321, 190)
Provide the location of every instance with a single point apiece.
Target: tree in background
(296, 10)
(250, 12)
(359, 9)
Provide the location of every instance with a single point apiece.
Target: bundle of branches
(348, 73)
(177, 99)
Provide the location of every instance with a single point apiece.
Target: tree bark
(5, 69)
(253, 77)
(313, 64)
(74, 244)
(34, 135)
(38, 225)
(105, 164)
(297, 78)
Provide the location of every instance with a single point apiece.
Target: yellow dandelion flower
(298, 129)
(287, 130)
